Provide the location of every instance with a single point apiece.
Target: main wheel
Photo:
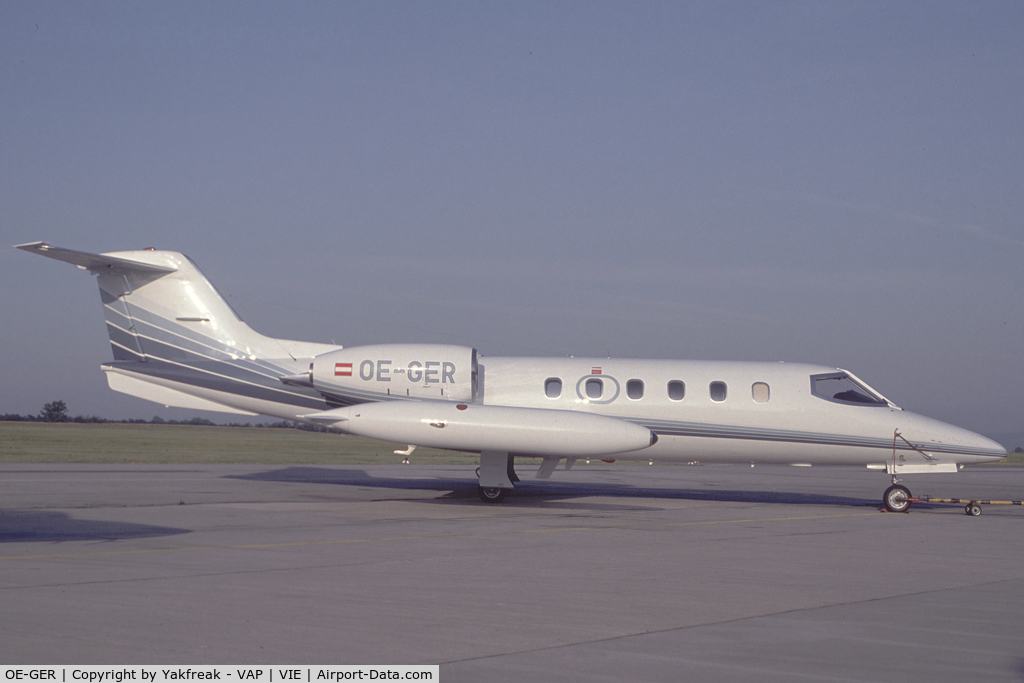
(896, 498)
(492, 494)
(973, 509)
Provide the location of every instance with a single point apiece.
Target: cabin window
(760, 391)
(595, 388)
(635, 389)
(552, 387)
(718, 391)
(676, 390)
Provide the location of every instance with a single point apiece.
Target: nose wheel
(896, 498)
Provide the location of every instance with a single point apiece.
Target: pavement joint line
(730, 620)
(262, 546)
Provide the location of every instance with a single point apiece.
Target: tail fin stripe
(184, 341)
(122, 337)
(163, 349)
(160, 329)
(160, 350)
(122, 351)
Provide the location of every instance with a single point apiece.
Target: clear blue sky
(830, 182)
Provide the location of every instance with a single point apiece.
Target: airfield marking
(259, 546)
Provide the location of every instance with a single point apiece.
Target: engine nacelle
(381, 371)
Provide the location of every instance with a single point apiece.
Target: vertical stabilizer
(158, 305)
(176, 315)
(176, 340)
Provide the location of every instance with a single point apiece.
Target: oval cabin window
(676, 390)
(635, 389)
(761, 392)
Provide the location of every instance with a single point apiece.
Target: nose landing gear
(896, 498)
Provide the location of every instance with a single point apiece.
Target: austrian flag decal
(342, 369)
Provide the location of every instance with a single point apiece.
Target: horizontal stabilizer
(96, 263)
(474, 427)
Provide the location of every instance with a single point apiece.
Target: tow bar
(971, 507)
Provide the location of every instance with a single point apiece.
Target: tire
(973, 509)
(896, 498)
(492, 494)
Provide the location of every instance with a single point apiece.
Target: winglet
(95, 263)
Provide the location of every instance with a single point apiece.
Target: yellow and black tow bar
(971, 507)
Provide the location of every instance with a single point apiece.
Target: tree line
(57, 411)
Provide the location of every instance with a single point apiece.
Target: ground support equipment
(971, 507)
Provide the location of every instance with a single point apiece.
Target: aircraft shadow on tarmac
(543, 493)
(52, 527)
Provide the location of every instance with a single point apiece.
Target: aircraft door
(597, 388)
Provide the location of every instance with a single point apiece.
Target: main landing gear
(497, 475)
(492, 494)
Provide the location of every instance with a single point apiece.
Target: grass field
(36, 442)
(26, 442)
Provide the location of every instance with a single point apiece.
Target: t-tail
(176, 340)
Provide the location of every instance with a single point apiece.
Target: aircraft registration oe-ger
(177, 342)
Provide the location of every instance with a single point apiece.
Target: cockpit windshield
(841, 388)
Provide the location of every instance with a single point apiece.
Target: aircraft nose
(986, 449)
(997, 449)
(946, 439)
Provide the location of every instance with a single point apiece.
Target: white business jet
(177, 342)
